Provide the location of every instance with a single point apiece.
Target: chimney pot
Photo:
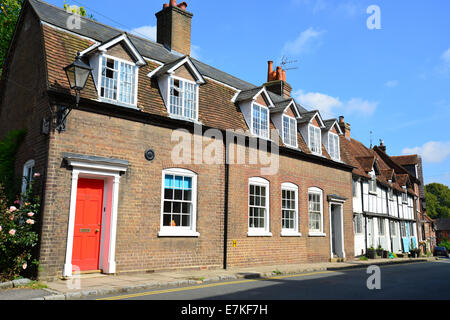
(341, 119)
(183, 6)
(165, 5)
(284, 75)
(279, 75)
(270, 72)
(173, 3)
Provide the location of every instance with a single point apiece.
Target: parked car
(440, 251)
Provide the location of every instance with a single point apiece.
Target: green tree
(438, 200)
(9, 14)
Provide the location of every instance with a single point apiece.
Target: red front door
(88, 223)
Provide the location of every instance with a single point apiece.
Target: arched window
(27, 177)
(258, 214)
(178, 203)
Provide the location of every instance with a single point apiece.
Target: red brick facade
(104, 130)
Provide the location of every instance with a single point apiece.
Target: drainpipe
(362, 209)
(226, 191)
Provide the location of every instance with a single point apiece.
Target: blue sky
(393, 81)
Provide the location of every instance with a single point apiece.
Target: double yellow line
(150, 293)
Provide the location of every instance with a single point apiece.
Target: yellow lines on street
(150, 293)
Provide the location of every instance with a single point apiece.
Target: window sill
(317, 234)
(259, 234)
(118, 103)
(290, 234)
(181, 234)
(373, 193)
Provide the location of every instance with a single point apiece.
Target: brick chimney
(276, 81)
(174, 27)
(345, 127)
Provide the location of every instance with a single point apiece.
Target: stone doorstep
(106, 290)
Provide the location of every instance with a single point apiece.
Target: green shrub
(445, 243)
(8, 148)
(17, 237)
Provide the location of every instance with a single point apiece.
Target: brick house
(118, 196)
(384, 198)
(442, 230)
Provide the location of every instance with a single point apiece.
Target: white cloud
(195, 51)
(315, 100)
(148, 32)
(305, 42)
(444, 66)
(446, 57)
(391, 83)
(431, 152)
(331, 106)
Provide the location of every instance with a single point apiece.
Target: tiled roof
(443, 224)
(406, 160)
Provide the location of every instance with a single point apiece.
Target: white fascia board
(123, 37)
(197, 74)
(151, 74)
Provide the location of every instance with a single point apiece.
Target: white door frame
(339, 204)
(110, 173)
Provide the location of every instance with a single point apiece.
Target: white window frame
(319, 135)
(357, 224)
(373, 184)
(25, 179)
(99, 80)
(260, 232)
(393, 229)
(268, 121)
(314, 232)
(404, 196)
(180, 231)
(381, 223)
(286, 140)
(336, 153)
(183, 107)
(294, 232)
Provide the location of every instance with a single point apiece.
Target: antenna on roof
(371, 139)
(285, 61)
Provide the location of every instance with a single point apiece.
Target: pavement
(82, 286)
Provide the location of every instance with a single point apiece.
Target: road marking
(211, 285)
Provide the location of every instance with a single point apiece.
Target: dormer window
(404, 195)
(290, 131)
(118, 80)
(183, 98)
(333, 144)
(260, 121)
(315, 139)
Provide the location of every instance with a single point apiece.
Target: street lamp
(77, 73)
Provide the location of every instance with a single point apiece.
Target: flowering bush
(17, 237)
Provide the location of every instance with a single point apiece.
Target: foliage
(9, 14)
(8, 148)
(77, 10)
(438, 200)
(17, 237)
(363, 258)
(445, 243)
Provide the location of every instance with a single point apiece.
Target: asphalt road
(427, 280)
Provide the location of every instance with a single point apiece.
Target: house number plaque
(85, 230)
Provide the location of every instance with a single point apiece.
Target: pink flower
(30, 221)
(17, 202)
(12, 209)
(36, 175)
(11, 218)
(30, 214)
(0, 228)
(24, 266)
(12, 232)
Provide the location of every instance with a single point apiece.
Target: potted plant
(418, 253)
(412, 253)
(385, 254)
(380, 251)
(371, 253)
